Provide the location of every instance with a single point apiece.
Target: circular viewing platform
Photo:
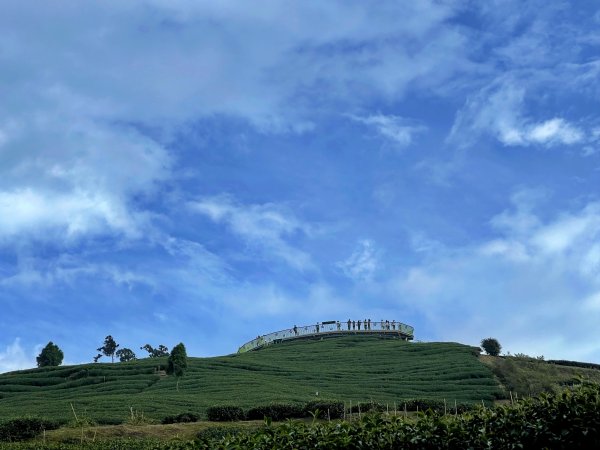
(333, 328)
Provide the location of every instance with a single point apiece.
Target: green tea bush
(25, 428)
(276, 411)
(181, 418)
(225, 413)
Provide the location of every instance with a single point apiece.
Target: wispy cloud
(363, 263)
(268, 227)
(398, 130)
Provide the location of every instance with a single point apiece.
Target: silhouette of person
(349, 323)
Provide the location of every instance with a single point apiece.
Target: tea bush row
(276, 411)
(570, 420)
(412, 405)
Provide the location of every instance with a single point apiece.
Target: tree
(97, 357)
(156, 352)
(109, 347)
(125, 354)
(177, 362)
(50, 355)
(491, 346)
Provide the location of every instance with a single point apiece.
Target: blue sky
(209, 171)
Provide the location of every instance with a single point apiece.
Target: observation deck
(333, 328)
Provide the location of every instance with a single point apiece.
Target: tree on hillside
(177, 362)
(156, 352)
(491, 346)
(109, 347)
(97, 357)
(125, 354)
(50, 355)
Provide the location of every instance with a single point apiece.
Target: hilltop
(347, 368)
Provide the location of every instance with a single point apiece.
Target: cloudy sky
(200, 171)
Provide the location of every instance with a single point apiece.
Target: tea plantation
(350, 369)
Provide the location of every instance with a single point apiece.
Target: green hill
(346, 368)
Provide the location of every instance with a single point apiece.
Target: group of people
(368, 325)
(354, 325)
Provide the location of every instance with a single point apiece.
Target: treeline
(583, 365)
(51, 355)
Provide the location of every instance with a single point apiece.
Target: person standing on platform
(317, 327)
(354, 324)
(295, 330)
(349, 323)
(339, 325)
(393, 325)
(358, 325)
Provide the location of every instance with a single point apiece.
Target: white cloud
(14, 357)
(396, 129)
(267, 226)
(363, 263)
(554, 131)
(498, 109)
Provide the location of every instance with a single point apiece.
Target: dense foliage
(51, 355)
(491, 346)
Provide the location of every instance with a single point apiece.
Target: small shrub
(25, 428)
(225, 413)
(181, 418)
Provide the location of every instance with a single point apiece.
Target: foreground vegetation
(348, 369)
(569, 420)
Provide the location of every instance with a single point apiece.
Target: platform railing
(331, 327)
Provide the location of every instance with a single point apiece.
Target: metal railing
(331, 327)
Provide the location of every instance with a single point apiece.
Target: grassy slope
(528, 376)
(350, 369)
